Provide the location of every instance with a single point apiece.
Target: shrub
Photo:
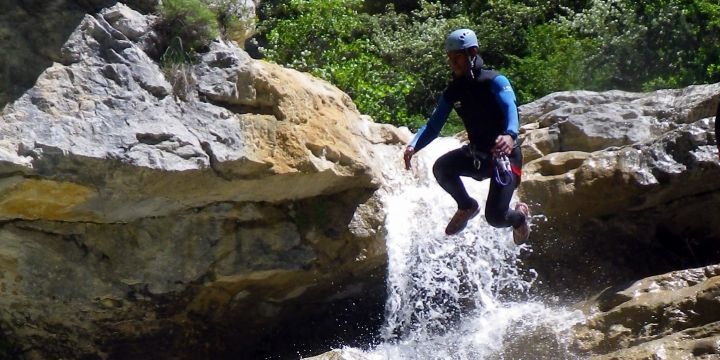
(556, 62)
(391, 64)
(333, 40)
(191, 21)
(650, 44)
(413, 44)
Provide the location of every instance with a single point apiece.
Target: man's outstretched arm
(429, 131)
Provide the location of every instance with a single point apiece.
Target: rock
(220, 207)
(610, 196)
(130, 214)
(32, 33)
(244, 11)
(589, 121)
(348, 354)
(128, 22)
(670, 316)
(239, 146)
(539, 142)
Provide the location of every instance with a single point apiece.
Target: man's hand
(407, 156)
(503, 145)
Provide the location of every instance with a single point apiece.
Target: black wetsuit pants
(460, 162)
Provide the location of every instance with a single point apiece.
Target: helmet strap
(471, 62)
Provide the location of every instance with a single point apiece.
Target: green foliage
(555, 62)
(177, 68)
(502, 28)
(331, 39)
(392, 64)
(649, 44)
(191, 21)
(189, 26)
(175, 53)
(413, 44)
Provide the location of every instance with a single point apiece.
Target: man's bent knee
(495, 218)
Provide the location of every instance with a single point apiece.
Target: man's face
(458, 61)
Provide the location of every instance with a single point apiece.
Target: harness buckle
(477, 163)
(478, 157)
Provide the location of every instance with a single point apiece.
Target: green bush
(333, 40)
(555, 62)
(414, 44)
(189, 26)
(189, 21)
(392, 64)
(650, 44)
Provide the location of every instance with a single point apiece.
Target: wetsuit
(717, 126)
(486, 105)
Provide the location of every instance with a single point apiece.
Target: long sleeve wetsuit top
(486, 105)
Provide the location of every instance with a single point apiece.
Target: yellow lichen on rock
(32, 199)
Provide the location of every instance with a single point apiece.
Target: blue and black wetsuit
(486, 105)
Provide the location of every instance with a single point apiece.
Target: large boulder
(591, 121)
(670, 316)
(208, 228)
(619, 174)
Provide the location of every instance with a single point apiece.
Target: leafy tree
(390, 58)
(331, 39)
(648, 45)
(555, 61)
(414, 43)
(681, 45)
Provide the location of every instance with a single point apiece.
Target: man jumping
(485, 102)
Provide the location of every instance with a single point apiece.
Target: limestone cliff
(32, 33)
(136, 224)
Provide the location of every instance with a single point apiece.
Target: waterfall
(461, 296)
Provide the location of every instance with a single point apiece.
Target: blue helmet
(460, 39)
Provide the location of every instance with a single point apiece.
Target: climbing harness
(502, 171)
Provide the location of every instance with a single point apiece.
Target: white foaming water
(456, 297)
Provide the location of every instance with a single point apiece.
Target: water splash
(457, 297)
